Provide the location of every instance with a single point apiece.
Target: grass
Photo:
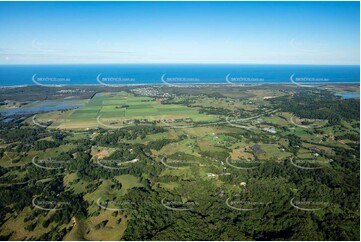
(276, 120)
(106, 192)
(86, 229)
(273, 151)
(128, 182)
(186, 146)
(6, 161)
(167, 185)
(184, 173)
(111, 232)
(17, 225)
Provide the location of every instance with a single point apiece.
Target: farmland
(118, 109)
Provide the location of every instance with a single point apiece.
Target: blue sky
(180, 32)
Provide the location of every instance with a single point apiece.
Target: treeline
(22, 134)
(319, 105)
(216, 111)
(128, 133)
(159, 144)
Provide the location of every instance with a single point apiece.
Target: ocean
(174, 74)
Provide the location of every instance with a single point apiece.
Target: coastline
(184, 85)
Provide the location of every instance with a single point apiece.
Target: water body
(132, 74)
(38, 108)
(7, 120)
(348, 95)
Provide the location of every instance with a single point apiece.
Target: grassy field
(113, 109)
(128, 182)
(20, 233)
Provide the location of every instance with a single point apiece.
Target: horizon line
(183, 63)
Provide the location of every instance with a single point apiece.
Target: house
(256, 148)
(211, 175)
(270, 130)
